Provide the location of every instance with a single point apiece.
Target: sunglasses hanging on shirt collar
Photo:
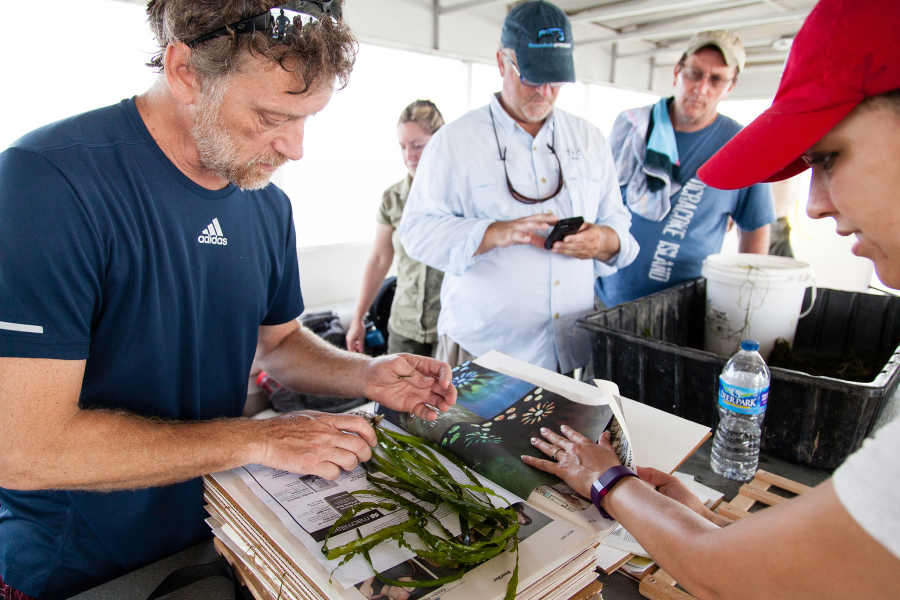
(521, 197)
(280, 22)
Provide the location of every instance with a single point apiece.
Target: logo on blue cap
(557, 33)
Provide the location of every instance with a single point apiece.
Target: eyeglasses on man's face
(279, 22)
(553, 84)
(697, 75)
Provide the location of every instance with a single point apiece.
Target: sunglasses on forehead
(279, 22)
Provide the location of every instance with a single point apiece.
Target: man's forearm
(755, 241)
(610, 244)
(51, 443)
(112, 450)
(487, 241)
(325, 370)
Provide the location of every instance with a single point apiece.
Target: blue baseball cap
(541, 35)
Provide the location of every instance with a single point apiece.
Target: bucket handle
(811, 304)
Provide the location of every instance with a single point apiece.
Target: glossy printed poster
(493, 421)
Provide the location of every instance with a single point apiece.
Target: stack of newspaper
(275, 522)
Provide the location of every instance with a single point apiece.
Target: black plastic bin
(653, 349)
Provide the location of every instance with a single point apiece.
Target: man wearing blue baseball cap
(491, 185)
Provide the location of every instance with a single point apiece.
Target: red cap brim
(769, 148)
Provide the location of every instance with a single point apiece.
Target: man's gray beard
(217, 149)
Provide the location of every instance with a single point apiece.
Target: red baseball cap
(846, 51)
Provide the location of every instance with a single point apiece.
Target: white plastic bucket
(753, 296)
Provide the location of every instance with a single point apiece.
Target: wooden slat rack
(659, 585)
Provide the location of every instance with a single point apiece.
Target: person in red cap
(837, 110)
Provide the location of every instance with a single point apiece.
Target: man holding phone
(490, 187)
(563, 229)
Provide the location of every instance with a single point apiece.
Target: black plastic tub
(653, 349)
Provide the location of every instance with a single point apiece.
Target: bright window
(351, 154)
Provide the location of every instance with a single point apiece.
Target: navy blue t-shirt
(673, 249)
(110, 254)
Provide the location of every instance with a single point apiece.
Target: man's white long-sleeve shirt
(520, 300)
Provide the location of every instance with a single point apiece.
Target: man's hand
(502, 234)
(590, 242)
(410, 383)
(313, 443)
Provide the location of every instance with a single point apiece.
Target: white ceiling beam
(773, 56)
(773, 4)
(760, 60)
(631, 10)
(436, 24)
(661, 32)
(597, 27)
(769, 68)
(464, 5)
(680, 47)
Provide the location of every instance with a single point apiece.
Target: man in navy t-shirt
(677, 219)
(145, 263)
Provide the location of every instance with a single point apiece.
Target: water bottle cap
(750, 345)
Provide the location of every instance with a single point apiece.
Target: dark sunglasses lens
(331, 8)
(553, 84)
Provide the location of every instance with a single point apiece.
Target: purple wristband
(605, 483)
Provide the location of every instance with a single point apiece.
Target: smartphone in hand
(563, 228)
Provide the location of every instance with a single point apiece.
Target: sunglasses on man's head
(279, 22)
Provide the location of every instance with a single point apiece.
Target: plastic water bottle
(743, 396)
(374, 337)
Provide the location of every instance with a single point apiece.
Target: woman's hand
(578, 460)
(672, 487)
(356, 336)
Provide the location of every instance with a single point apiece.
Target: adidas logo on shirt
(213, 235)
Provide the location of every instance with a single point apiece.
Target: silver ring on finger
(555, 450)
